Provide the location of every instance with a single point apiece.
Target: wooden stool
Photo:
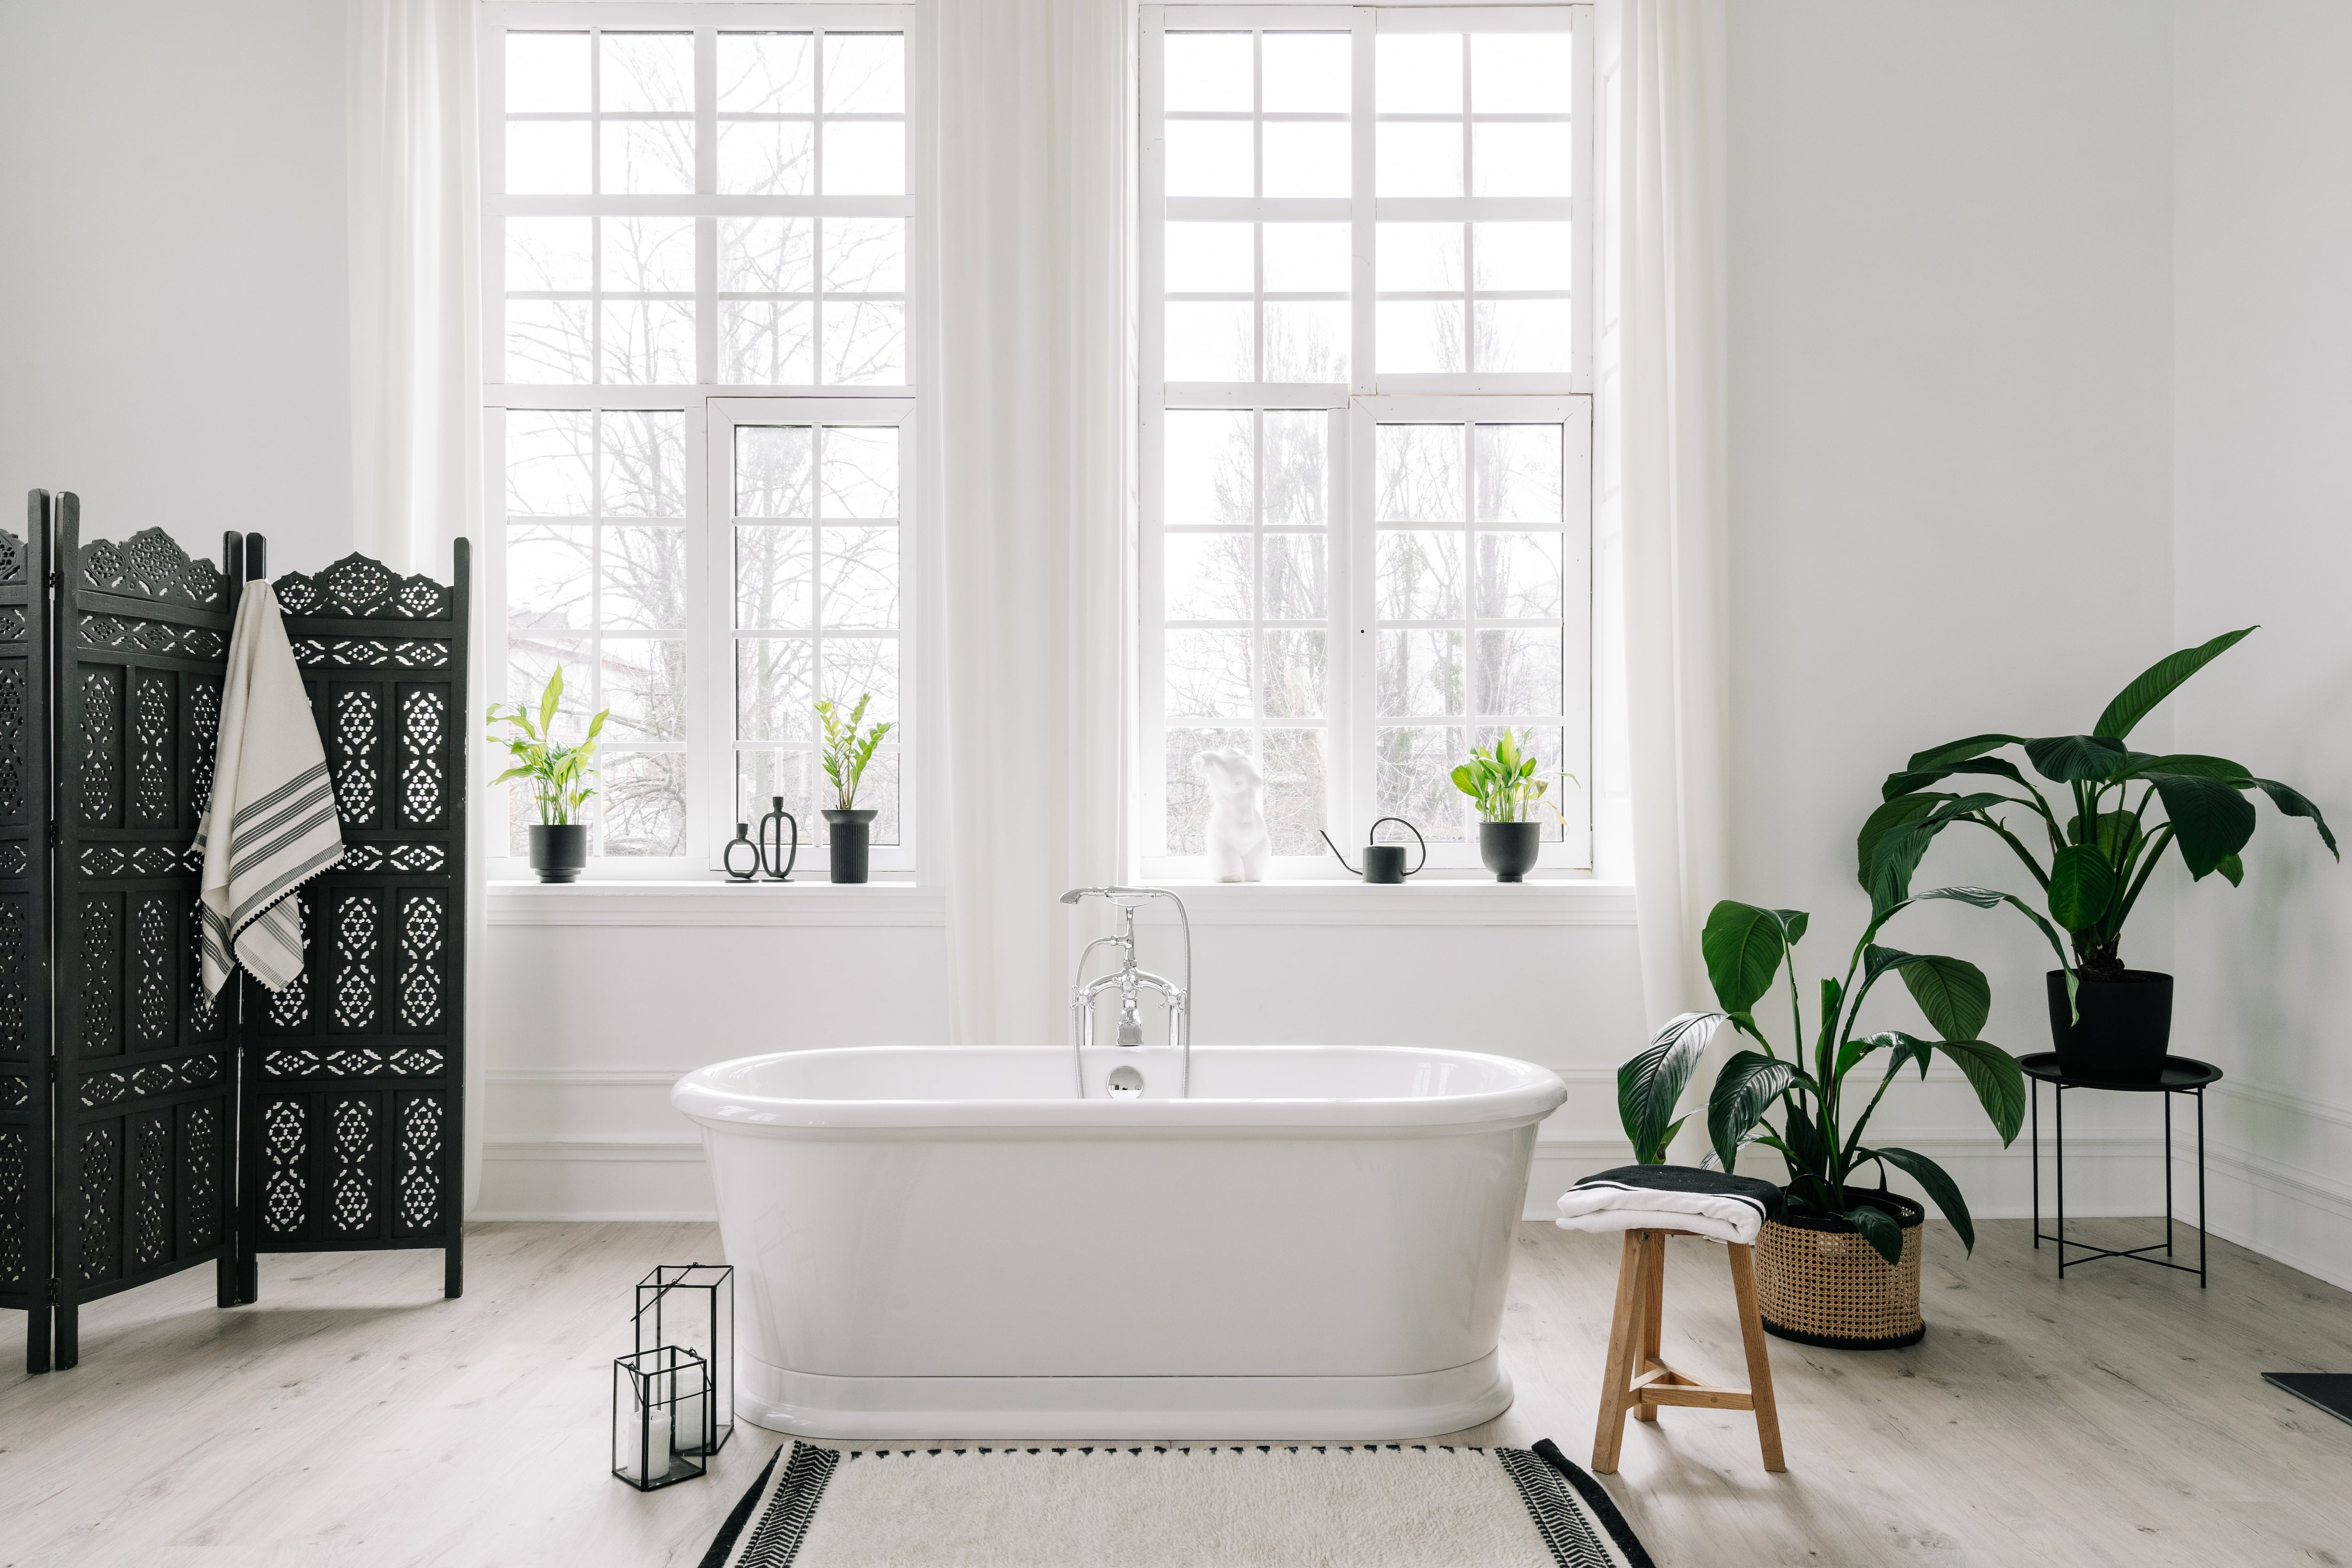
(1638, 1381)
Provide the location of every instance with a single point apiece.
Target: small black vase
(1509, 849)
(559, 853)
(852, 832)
(2125, 1029)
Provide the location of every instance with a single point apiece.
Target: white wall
(2263, 533)
(1949, 421)
(171, 294)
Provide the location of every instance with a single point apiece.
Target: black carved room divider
(178, 1129)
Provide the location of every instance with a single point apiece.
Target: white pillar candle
(649, 1462)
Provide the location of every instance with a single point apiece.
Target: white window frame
(1355, 406)
(708, 747)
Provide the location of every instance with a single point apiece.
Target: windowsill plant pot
(2125, 1027)
(1820, 1282)
(851, 834)
(558, 851)
(1509, 849)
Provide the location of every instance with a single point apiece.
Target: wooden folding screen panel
(24, 1142)
(354, 1096)
(146, 1062)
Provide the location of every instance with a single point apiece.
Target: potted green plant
(848, 747)
(1501, 781)
(562, 779)
(2091, 855)
(1842, 1267)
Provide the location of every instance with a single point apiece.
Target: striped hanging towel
(271, 791)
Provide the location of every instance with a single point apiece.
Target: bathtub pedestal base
(1334, 1409)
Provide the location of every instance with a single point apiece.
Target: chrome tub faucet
(1130, 982)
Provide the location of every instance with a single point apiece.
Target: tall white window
(1367, 432)
(702, 380)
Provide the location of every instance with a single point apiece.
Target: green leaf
(2292, 804)
(1792, 925)
(2076, 759)
(2082, 884)
(2117, 837)
(1960, 751)
(1649, 1086)
(2190, 764)
(1804, 1145)
(1463, 780)
(1879, 1229)
(1938, 1186)
(1743, 946)
(1952, 992)
(1998, 1081)
(2234, 870)
(1744, 1090)
(2211, 819)
(549, 699)
(1854, 1049)
(1917, 779)
(2158, 680)
(1887, 850)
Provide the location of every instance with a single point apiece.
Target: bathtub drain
(1125, 1083)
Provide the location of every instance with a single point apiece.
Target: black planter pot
(1508, 848)
(559, 854)
(2125, 1029)
(852, 832)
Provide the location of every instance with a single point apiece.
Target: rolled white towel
(1670, 1197)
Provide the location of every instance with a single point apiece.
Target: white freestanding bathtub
(950, 1243)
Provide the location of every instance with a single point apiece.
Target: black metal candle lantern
(656, 1392)
(692, 1305)
(772, 845)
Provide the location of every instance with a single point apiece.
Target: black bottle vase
(2125, 1027)
(852, 832)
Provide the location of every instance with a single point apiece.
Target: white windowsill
(1562, 901)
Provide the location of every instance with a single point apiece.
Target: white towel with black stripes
(271, 824)
(1670, 1197)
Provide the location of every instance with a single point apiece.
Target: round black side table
(2181, 1075)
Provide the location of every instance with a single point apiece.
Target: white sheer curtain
(1035, 148)
(417, 449)
(1676, 608)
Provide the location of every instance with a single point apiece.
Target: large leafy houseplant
(2099, 845)
(562, 777)
(1818, 1136)
(1502, 782)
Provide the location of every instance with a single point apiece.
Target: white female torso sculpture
(1239, 842)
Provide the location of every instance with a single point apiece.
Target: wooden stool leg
(1759, 1364)
(1653, 1303)
(1623, 1335)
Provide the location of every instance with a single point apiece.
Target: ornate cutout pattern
(100, 1089)
(166, 639)
(12, 558)
(15, 1093)
(152, 730)
(394, 858)
(353, 1007)
(359, 589)
(285, 1154)
(420, 946)
(424, 712)
(358, 711)
(200, 1178)
(16, 1202)
(204, 1009)
(204, 739)
(350, 1190)
(151, 1201)
(419, 1178)
(100, 1183)
(137, 860)
(352, 1061)
(151, 970)
(371, 653)
(101, 747)
(16, 975)
(13, 742)
(102, 992)
(150, 564)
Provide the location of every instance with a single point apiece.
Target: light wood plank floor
(354, 1417)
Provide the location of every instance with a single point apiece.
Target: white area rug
(1274, 1505)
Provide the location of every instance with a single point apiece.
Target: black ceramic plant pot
(1508, 848)
(559, 854)
(2125, 1028)
(852, 832)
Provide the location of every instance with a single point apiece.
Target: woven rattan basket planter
(1820, 1283)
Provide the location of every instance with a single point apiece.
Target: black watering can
(1385, 862)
